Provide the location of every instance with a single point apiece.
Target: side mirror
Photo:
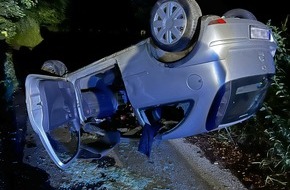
(55, 67)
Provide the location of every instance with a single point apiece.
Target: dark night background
(274, 10)
(98, 29)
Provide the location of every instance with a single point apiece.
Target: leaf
(28, 34)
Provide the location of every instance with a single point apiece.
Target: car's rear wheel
(239, 13)
(55, 67)
(173, 24)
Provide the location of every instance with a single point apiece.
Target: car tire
(55, 67)
(239, 13)
(169, 35)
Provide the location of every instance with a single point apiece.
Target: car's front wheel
(173, 24)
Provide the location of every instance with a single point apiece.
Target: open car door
(52, 110)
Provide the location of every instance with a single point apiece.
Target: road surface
(173, 164)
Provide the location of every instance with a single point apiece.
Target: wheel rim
(169, 23)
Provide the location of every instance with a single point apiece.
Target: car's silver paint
(223, 52)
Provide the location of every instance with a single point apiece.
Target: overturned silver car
(196, 73)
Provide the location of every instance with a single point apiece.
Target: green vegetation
(20, 23)
(277, 112)
(11, 82)
(270, 128)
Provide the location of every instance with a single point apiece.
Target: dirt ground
(243, 162)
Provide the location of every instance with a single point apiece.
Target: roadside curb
(217, 177)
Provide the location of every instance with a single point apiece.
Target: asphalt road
(173, 164)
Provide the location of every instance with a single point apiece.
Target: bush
(276, 110)
(270, 128)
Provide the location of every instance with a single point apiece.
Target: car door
(52, 109)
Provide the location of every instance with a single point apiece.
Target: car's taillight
(217, 21)
(260, 33)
